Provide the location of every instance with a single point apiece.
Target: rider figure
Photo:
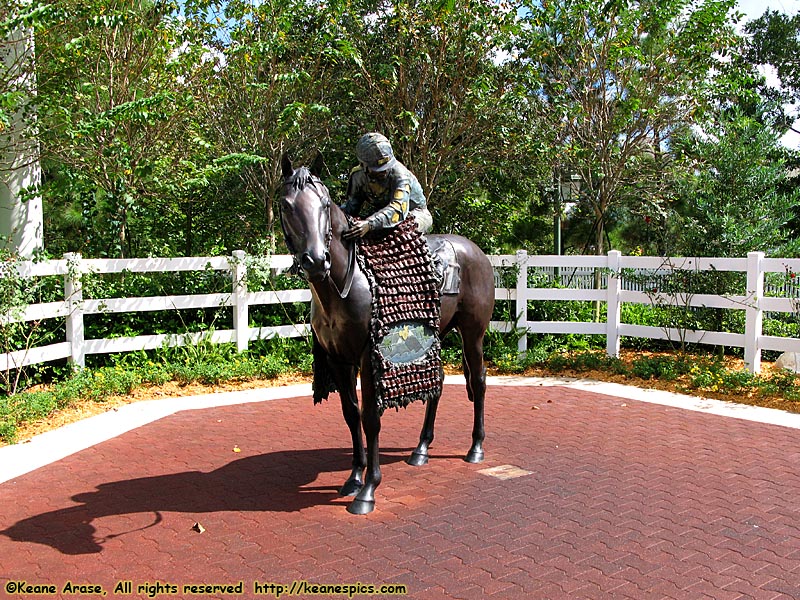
(386, 190)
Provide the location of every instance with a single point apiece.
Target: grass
(205, 364)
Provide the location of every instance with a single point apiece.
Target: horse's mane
(300, 178)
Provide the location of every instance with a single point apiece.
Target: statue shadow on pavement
(275, 482)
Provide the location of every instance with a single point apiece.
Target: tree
(434, 77)
(775, 41)
(733, 200)
(616, 80)
(270, 69)
(112, 110)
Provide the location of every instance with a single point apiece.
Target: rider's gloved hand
(357, 230)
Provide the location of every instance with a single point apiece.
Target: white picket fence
(753, 302)
(74, 307)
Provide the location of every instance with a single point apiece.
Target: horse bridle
(351, 253)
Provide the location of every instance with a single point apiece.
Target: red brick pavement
(624, 500)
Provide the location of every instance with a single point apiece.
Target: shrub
(781, 382)
(667, 367)
(582, 361)
(205, 363)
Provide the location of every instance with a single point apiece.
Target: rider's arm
(355, 199)
(397, 209)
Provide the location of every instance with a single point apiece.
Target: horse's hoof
(350, 488)
(474, 456)
(417, 460)
(361, 507)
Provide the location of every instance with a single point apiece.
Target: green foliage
(17, 333)
(161, 123)
(113, 111)
(784, 383)
(204, 363)
(642, 314)
(502, 350)
(579, 361)
(671, 291)
(742, 160)
(774, 42)
(561, 310)
(210, 363)
(178, 322)
(615, 79)
(541, 347)
(781, 328)
(427, 76)
(694, 372)
(667, 368)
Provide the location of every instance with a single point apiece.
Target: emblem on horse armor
(407, 343)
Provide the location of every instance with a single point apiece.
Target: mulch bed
(87, 408)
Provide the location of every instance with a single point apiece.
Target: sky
(754, 9)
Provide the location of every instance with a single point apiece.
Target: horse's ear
(316, 166)
(286, 166)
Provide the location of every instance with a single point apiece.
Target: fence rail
(609, 287)
(613, 294)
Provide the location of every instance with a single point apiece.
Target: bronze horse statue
(340, 317)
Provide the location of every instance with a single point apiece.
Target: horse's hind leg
(346, 382)
(475, 374)
(420, 454)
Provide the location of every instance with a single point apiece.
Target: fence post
(522, 301)
(754, 313)
(613, 304)
(240, 308)
(73, 298)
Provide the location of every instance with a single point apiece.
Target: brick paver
(624, 500)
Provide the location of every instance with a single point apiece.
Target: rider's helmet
(374, 152)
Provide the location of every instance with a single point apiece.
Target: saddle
(445, 265)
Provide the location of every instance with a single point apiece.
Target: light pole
(556, 193)
(565, 191)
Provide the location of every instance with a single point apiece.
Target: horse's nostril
(327, 260)
(306, 261)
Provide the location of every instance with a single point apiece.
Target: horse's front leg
(345, 376)
(364, 502)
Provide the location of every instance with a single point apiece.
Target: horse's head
(305, 209)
